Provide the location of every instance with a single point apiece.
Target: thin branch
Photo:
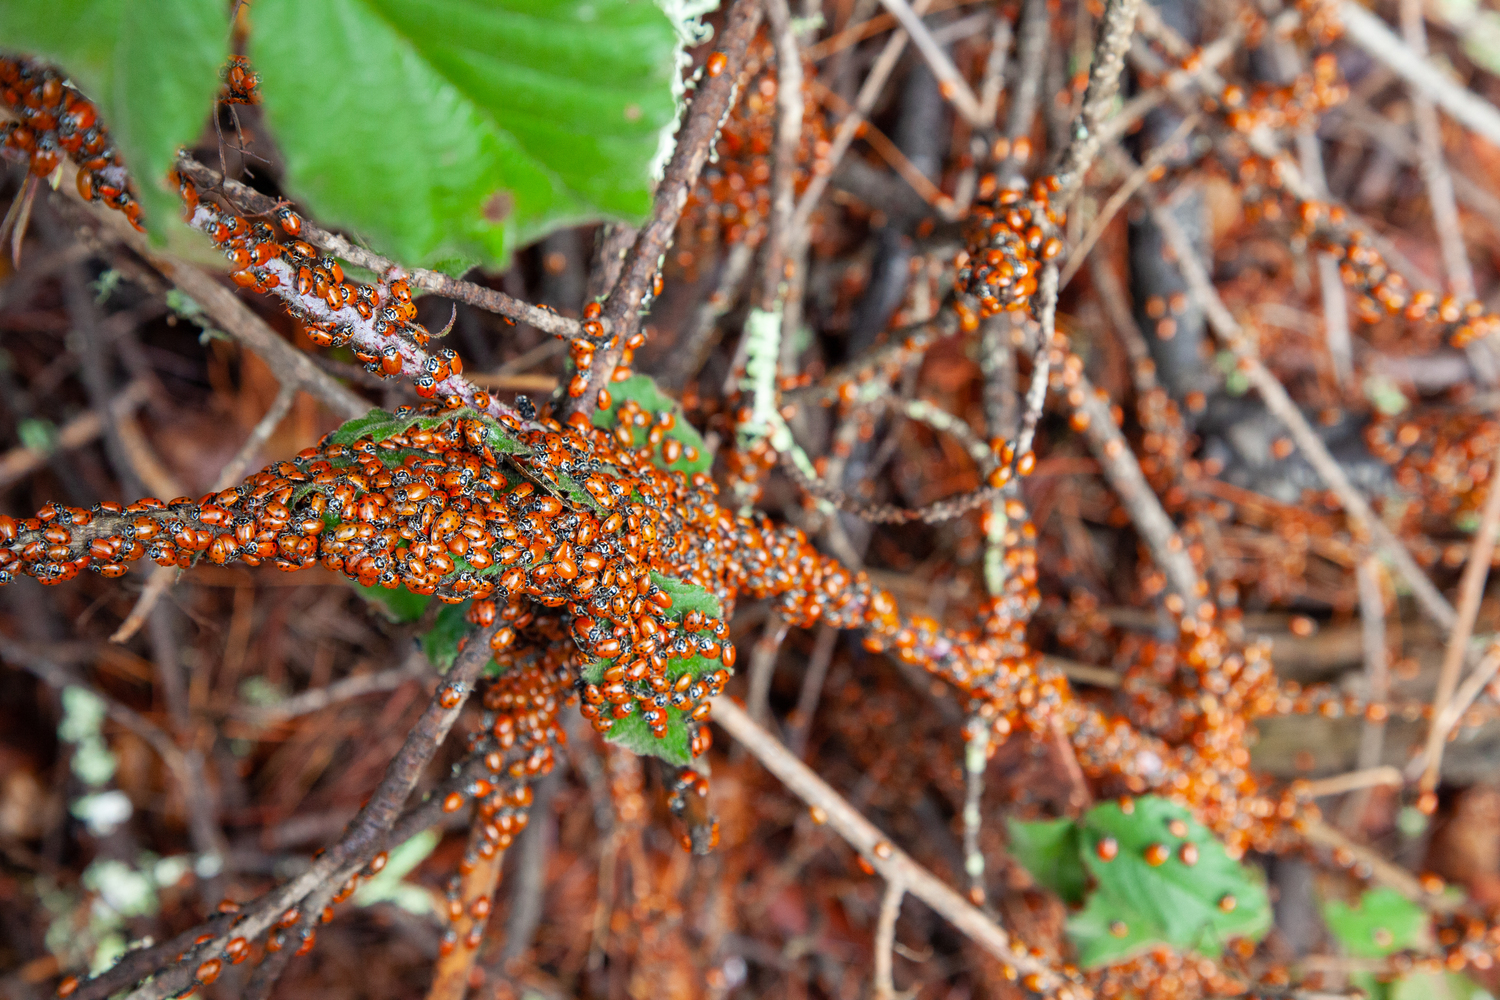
(1127, 189)
(1470, 593)
(1377, 677)
(952, 83)
(885, 939)
(622, 310)
(367, 830)
(976, 760)
(1319, 833)
(234, 470)
(1115, 31)
(1307, 440)
(1434, 167)
(892, 863)
(782, 248)
(479, 296)
(317, 699)
(1370, 33)
(849, 125)
(1341, 783)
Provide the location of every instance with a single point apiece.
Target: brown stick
(694, 140)
(892, 863)
(1470, 593)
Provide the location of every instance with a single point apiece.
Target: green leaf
(449, 132)
(1175, 903)
(399, 604)
(632, 732)
(1049, 850)
(440, 644)
(151, 67)
(381, 425)
(388, 885)
(1381, 923)
(643, 390)
(1437, 986)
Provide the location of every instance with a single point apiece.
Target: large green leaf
(448, 132)
(1193, 906)
(151, 66)
(1049, 850)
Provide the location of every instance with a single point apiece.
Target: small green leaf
(449, 132)
(151, 67)
(634, 735)
(440, 644)
(1194, 906)
(632, 732)
(1381, 923)
(1437, 986)
(643, 391)
(388, 886)
(1049, 850)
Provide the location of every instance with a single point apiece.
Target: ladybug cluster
(54, 120)
(241, 83)
(732, 199)
(1008, 237)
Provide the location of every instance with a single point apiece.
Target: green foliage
(643, 390)
(632, 732)
(440, 643)
(1133, 904)
(397, 603)
(1381, 923)
(1049, 850)
(448, 132)
(152, 67)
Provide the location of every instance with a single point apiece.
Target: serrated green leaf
(151, 67)
(1049, 850)
(1381, 923)
(643, 390)
(449, 132)
(634, 735)
(1175, 903)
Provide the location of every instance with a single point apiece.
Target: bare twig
(317, 699)
(365, 833)
(954, 87)
(885, 939)
(890, 861)
(800, 723)
(694, 140)
(1280, 404)
(1434, 166)
(1366, 778)
(1316, 832)
(1377, 677)
(234, 470)
(1370, 33)
(789, 109)
(1115, 31)
(849, 125)
(1470, 593)
(1122, 194)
